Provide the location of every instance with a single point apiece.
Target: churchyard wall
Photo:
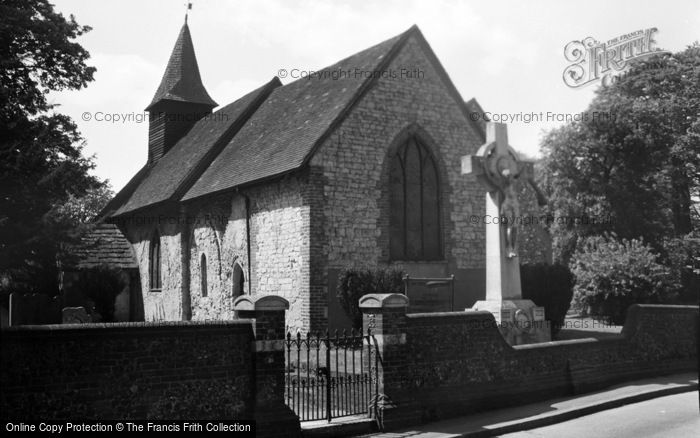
(431, 366)
(173, 371)
(126, 370)
(442, 365)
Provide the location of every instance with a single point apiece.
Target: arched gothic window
(154, 273)
(415, 233)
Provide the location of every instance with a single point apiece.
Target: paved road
(672, 416)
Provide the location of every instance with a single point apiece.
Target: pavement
(536, 415)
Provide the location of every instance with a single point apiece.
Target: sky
(509, 55)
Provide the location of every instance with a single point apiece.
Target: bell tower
(180, 101)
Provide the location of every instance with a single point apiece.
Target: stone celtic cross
(497, 166)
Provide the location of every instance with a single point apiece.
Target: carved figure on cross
(497, 166)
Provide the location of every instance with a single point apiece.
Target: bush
(101, 285)
(549, 286)
(682, 256)
(611, 274)
(354, 283)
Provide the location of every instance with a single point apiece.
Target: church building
(280, 190)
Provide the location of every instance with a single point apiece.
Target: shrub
(353, 283)
(611, 274)
(682, 256)
(549, 286)
(101, 285)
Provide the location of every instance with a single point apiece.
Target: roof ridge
(452, 89)
(124, 203)
(124, 194)
(367, 83)
(377, 56)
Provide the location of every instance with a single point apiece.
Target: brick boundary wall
(229, 370)
(441, 365)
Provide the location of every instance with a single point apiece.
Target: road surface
(674, 416)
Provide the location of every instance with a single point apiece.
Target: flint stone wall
(127, 371)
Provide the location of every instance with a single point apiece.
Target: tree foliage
(632, 165)
(549, 286)
(41, 162)
(354, 283)
(100, 285)
(613, 273)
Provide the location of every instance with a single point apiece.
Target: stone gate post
(273, 417)
(385, 316)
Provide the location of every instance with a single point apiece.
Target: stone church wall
(334, 214)
(279, 247)
(166, 303)
(279, 226)
(354, 161)
(219, 233)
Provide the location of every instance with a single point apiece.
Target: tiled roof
(181, 81)
(104, 244)
(477, 114)
(188, 158)
(285, 130)
(125, 193)
(277, 131)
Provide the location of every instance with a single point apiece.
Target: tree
(353, 283)
(41, 161)
(632, 165)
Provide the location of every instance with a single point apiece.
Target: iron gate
(329, 376)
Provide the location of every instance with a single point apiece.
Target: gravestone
(76, 315)
(497, 166)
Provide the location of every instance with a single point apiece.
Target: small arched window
(238, 281)
(203, 274)
(154, 273)
(415, 204)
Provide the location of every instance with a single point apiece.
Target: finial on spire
(187, 11)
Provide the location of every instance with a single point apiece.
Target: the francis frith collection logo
(592, 60)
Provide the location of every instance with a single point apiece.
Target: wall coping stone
(668, 307)
(457, 314)
(383, 301)
(611, 340)
(127, 325)
(269, 303)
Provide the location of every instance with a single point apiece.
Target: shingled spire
(180, 101)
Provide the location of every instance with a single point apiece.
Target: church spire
(181, 81)
(180, 101)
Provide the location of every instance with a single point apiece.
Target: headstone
(75, 315)
(497, 166)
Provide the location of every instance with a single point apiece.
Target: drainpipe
(185, 263)
(247, 231)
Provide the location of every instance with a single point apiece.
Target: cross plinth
(498, 168)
